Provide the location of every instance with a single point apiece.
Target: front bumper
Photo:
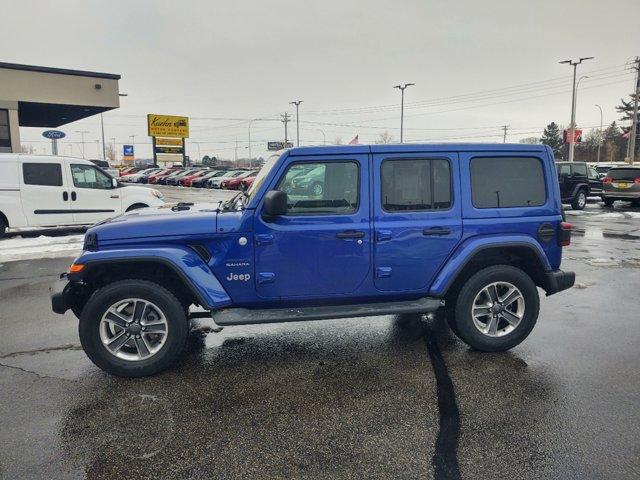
(62, 294)
(558, 280)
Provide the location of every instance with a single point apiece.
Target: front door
(93, 197)
(44, 191)
(417, 218)
(322, 246)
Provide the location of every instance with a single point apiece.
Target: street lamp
(402, 88)
(600, 135)
(324, 136)
(297, 104)
(82, 132)
(572, 126)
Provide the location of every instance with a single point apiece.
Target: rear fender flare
(185, 262)
(472, 246)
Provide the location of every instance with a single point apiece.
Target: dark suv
(577, 182)
(622, 183)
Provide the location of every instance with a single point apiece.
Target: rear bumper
(558, 280)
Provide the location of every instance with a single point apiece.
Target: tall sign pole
(634, 117)
(572, 126)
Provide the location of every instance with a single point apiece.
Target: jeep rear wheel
(133, 328)
(580, 200)
(496, 308)
(608, 202)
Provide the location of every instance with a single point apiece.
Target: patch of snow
(40, 247)
(578, 212)
(632, 214)
(610, 215)
(603, 262)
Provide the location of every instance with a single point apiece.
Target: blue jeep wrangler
(363, 230)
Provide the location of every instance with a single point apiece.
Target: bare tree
(27, 149)
(385, 137)
(110, 152)
(337, 141)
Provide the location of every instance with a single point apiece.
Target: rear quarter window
(503, 182)
(46, 174)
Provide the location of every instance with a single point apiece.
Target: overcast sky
(477, 65)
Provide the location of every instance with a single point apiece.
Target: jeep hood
(164, 221)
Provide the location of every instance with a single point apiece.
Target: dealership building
(45, 97)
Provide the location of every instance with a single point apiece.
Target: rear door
(44, 191)
(92, 196)
(416, 215)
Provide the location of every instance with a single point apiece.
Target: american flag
(354, 140)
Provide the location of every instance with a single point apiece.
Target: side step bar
(246, 316)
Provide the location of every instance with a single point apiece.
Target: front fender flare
(470, 247)
(186, 263)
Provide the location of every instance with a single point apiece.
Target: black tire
(608, 202)
(136, 206)
(105, 297)
(463, 324)
(579, 201)
(634, 203)
(3, 227)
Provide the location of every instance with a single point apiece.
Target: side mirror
(114, 183)
(275, 204)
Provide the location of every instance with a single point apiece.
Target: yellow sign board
(172, 142)
(167, 126)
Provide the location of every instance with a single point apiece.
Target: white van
(46, 191)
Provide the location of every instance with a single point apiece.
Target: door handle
(115, 196)
(350, 234)
(73, 196)
(65, 196)
(436, 231)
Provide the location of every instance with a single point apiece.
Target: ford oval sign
(53, 134)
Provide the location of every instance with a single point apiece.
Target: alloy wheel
(133, 329)
(498, 309)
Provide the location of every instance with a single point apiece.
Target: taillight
(564, 236)
(637, 180)
(607, 179)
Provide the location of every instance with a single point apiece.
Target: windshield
(266, 168)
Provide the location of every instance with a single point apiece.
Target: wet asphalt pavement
(379, 397)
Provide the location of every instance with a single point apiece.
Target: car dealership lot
(376, 397)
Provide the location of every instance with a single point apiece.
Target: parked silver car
(621, 183)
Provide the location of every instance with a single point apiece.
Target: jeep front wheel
(496, 308)
(133, 328)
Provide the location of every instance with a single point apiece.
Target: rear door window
(86, 176)
(46, 174)
(502, 182)
(416, 185)
(580, 169)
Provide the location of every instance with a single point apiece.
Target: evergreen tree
(552, 137)
(626, 109)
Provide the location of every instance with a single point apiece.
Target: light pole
(324, 137)
(104, 156)
(82, 132)
(600, 135)
(297, 104)
(572, 126)
(402, 88)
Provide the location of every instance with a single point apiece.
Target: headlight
(157, 194)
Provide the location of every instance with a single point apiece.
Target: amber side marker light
(76, 267)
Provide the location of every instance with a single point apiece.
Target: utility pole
(600, 134)
(634, 118)
(297, 104)
(132, 137)
(104, 147)
(504, 138)
(82, 132)
(285, 119)
(402, 88)
(573, 105)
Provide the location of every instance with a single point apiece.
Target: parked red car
(162, 175)
(247, 182)
(186, 181)
(236, 182)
